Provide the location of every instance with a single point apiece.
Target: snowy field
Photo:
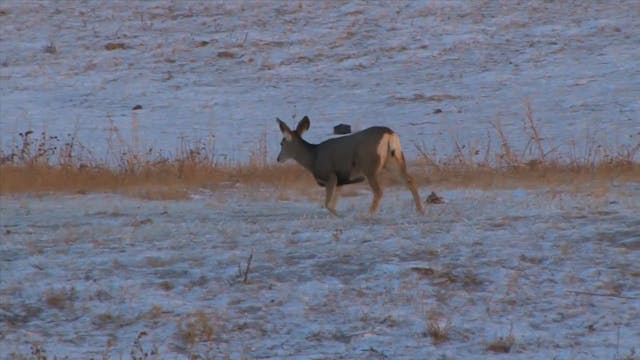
(432, 70)
(83, 275)
(547, 273)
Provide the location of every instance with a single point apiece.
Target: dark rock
(342, 129)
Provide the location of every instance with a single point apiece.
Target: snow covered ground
(432, 70)
(557, 269)
(83, 275)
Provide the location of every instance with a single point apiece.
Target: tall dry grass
(44, 163)
(535, 165)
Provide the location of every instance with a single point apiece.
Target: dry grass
(151, 181)
(502, 344)
(197, 327)
(41, 164)
(138, 351)
(60, 299)
(528, 175)
(532, 166)
(438, 328)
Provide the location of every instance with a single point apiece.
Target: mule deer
(348, 160)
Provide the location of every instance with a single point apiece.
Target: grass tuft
(438, 329)
(61, 299)
(502, 344)
(197, 327)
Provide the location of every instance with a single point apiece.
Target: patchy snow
(227, 69)
(84, 275)
(555, 269)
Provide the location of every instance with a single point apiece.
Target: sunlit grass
(45, 163)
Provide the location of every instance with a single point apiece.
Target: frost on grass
(537, 274)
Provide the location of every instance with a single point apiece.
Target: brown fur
(348, 159)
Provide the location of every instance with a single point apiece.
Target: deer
(348, 160)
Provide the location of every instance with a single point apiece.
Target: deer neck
(307, 156)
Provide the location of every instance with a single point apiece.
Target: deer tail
(395, 149)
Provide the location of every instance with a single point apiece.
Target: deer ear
(303, 125)
(283, 127)
(286, 132)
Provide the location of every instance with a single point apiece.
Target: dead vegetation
(197, 327)
(115, 46)
(46, 163)
(438, 328)
(61, 299)
(49, 164)
(535, 165)
(502, 344)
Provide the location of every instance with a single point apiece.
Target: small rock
(342, 129)
(51, 49)
(137, 107)
(433, 198)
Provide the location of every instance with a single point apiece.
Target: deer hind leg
(330, 195)
(377, 193)
(372, 177)
(399, 170)
(412, 187)
(408, 179)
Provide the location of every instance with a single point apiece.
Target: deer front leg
(334, 199)
(330, 195)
